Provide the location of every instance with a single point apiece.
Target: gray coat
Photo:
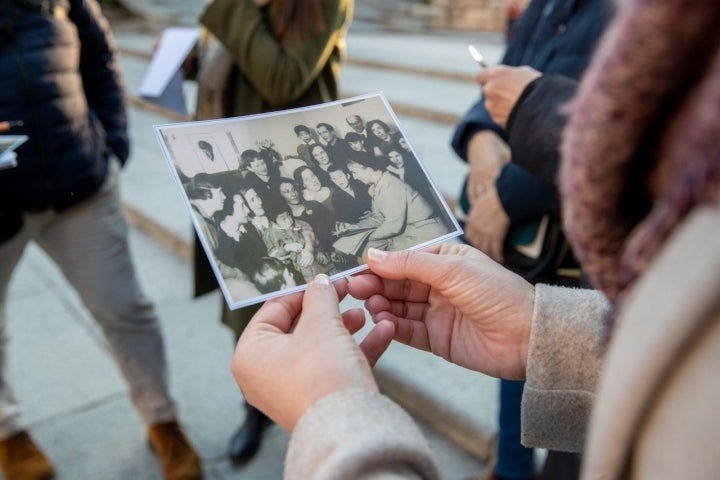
(646, 409)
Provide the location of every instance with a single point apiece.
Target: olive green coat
(267, 76)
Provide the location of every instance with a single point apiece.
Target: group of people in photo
(278, 220)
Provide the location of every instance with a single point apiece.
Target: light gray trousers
(89, 245)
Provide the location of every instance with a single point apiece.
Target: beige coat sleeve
(358, 434)
(564, 363)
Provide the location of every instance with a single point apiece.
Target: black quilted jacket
(59, 75)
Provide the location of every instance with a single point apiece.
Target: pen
(8, 124)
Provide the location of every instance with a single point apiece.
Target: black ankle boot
(245, 443)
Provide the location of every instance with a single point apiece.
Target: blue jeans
(513, 460)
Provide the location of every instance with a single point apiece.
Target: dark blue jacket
(560, 42)
(59, 75)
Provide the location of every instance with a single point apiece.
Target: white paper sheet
(160, 84)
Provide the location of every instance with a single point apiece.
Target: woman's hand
(454, 301)
(299, 348)
(487, 223)
(487, 154)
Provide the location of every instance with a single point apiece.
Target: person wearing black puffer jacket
(60, 78)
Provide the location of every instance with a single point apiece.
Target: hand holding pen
(502, 86)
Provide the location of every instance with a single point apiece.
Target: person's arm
(476, 119)
(100, 70)
(391, 202)
(536, 122)
(527, 105)
(563, 366)
(279, 73)
(337, 438)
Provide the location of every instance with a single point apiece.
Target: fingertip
(386, 325)
(376, 256)
(322, 280)
(341, 287)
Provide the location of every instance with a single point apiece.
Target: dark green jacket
(267, 76)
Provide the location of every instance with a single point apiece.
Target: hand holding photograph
(278, 198)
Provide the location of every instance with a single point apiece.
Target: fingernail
(322, 279)
(376, 255)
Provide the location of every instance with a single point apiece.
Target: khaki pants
(89, 245)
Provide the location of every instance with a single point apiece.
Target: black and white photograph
(279, 198)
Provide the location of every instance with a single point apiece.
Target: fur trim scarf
(642, 143)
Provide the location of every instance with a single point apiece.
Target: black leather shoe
(245, 443)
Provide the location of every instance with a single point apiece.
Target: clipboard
(163, 80)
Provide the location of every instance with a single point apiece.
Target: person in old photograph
(356, 141)
(406, 218)
(321, 160)
(258, 212)
(239, 242)
(262, 176)
(406, 168)
(382, 137)
(206, 197)
(273, 275)
(293, 239)
(405, 145)
(308, 139)
(336, 147)
(334, 199)
(356, 123)
(359, 201)
(322, 220)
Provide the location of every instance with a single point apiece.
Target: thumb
(320, 304)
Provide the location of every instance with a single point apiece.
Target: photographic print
(278, 198)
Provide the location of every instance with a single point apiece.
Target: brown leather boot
(21, 459)
(178, 457)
